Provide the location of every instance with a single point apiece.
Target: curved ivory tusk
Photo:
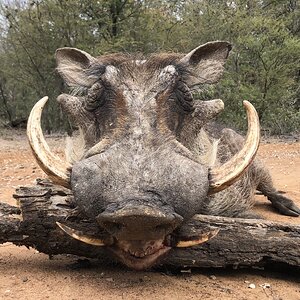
(51, 164)
(222, 177)
(77, 235)
(199, 240)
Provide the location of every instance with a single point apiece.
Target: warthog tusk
(50, 163)
(198, 240)
(76, 234)
(222, 177)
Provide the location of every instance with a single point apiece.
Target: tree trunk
(5, 104)
(239, 243)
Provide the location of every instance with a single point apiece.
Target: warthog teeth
(199, 240)
(76, 234)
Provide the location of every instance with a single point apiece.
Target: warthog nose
(139, 223)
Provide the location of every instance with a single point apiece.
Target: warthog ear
(206, 62)
(77, 67)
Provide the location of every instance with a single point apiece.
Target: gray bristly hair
(75, 147)
(206, 149)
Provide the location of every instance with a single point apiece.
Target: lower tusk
(198, 240)
(76, 234)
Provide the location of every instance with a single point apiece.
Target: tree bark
(239, 243)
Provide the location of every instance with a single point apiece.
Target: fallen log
(239, 243)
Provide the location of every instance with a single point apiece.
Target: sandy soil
(27, 274)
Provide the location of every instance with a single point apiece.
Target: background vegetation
(264, 66)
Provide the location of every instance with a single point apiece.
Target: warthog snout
(139, 222)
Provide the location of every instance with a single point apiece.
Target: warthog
(148, 165)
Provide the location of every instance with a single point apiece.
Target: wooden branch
(240, 242)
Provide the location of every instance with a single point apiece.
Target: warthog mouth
(140, 255)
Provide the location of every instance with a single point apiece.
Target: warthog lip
(142, 258)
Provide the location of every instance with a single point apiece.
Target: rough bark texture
(239, 243)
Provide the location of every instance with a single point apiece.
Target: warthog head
(140, 176)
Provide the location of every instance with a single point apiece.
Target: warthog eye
(183, 96)
(98, 95)
(94, 98)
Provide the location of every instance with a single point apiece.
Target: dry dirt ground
(27, 274)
